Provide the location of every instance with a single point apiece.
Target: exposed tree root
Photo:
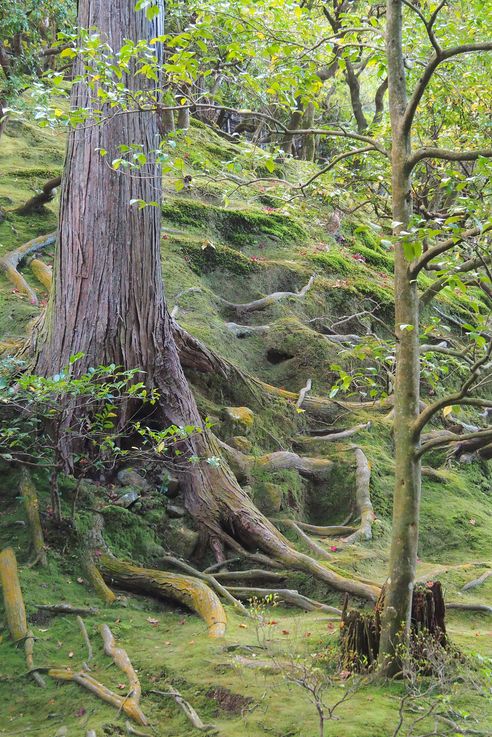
(98, 583)
(244, 331)
(191, 592)
(10, 262)
(332, 437)
(42, 272)
(27, 491)
(253, 574)
(311, 544)
(129, 704)
(270, 299)
(486, 608)
(318, 469)
(67, 609)
(36, 203)
(85, 636)
(289, 596)
(210, 579)
(327, 531)
(477, 581)
(15, 611)
(188, 710)
(363, 498)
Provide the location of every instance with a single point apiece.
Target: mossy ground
(239, 250)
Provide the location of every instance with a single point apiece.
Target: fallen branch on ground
(11, 261)
(252, 574)
(327, 531)
(129, 704)
(192, 592)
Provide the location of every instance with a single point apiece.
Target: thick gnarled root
(191, 592)
(11, 261)
(31, 504)
(15, 611)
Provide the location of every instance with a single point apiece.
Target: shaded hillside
(215, 256)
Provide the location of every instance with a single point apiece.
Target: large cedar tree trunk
(108, 299)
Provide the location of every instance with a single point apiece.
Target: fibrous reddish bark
(108, 298)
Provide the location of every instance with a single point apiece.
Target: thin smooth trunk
(406, 503)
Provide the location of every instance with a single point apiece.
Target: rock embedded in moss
(241, 442)
(240, 416)
(180, 539)
(269, 497)
(131, 477)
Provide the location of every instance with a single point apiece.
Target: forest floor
(239, 253)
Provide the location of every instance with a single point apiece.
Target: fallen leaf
(80, 712)
(243, 626)
(70, 654)
(152, 621)
(80, 580)
(285, 632)
(121, 686)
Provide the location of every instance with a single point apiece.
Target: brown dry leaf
(243, 626)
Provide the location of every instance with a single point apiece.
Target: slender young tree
(408, 421)
(108, 302)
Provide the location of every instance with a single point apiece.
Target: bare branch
(439, 57)
(446, 245)
(428, 413)
(431, 152)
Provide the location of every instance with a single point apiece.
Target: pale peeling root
(187, 709)
(477, 581)
(270, 299)
(311, 544)
(288, 596)
(129, 704)
(191, 592)
(363, 499)
(485, 608)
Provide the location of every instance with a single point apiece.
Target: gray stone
(175, 511)
(180, 539)
(127, 499)
(131, 477)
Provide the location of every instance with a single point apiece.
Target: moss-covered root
(123, 662)
(31, 504)
(98, 583)
(15, 611)
(191, 592)
(42, 272)
(10, 262)
(122, 703)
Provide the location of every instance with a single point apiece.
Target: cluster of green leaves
(94, 413)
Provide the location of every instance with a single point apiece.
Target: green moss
(237, 227)
(334, 262)
(376, 258)
(204, 258)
